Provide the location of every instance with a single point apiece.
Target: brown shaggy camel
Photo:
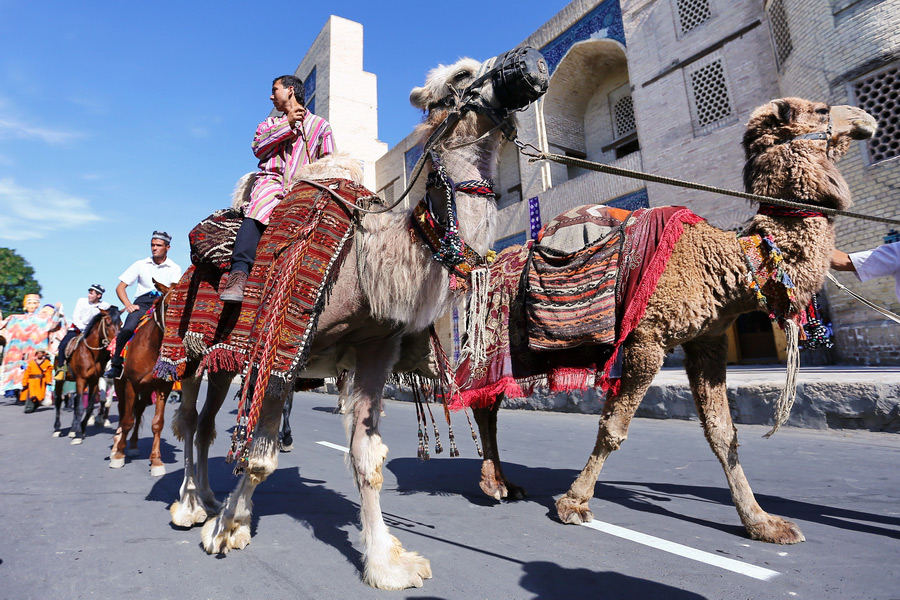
(704, 289)
(388, 288)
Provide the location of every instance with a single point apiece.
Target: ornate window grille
(692, 13)
(879, 95)
(623, 116)
(710, 99)
(781, 34)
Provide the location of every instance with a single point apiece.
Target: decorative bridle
(103, 334)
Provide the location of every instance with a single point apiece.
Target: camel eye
(823, 111)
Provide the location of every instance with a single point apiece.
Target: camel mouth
(863, 129)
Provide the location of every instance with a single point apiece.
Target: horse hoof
(76, 441)
(57, 433)
(158, 471)
(116, 463)
(107, 423)
(92, 420)
(286, 447)
(71, 434)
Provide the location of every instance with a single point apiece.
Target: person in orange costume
(37, 376)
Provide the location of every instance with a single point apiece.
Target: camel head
(791, 145)
(795, 120)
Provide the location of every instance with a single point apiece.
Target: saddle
(212, 239)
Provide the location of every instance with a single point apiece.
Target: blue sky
(118, 118)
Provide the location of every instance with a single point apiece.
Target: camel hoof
(573, 512)
(116, 463)
(183, 515)
(158, 471)
(91, 420)
(71, 434)
(402, 570)
(57, 433)
(776, 531)
(76, 441)
(219, 539)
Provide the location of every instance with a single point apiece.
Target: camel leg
(705, 366)
(125, 395)
(643, 359)
(493, 482)
(196, 500)
(387, 565)
(231, 528)
(285, 439)
(157, 468)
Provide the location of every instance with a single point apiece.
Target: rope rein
(534, 155)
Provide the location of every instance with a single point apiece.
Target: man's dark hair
(294, 82)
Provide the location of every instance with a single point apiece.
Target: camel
(389, 288)
(791, 145)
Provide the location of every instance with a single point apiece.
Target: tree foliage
(16, 280)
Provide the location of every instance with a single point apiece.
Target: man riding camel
(282, 145)
(157, 266)
(85, 310)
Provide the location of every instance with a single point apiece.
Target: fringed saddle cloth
(509, 364)
(297, 261)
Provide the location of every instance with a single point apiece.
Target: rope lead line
(535, 154)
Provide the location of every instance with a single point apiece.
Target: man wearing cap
(85, 310)
(157, 266)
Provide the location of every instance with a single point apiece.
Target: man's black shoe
(113, 372)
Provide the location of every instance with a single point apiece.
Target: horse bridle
(105, 339)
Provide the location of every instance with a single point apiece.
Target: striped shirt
(281, 151)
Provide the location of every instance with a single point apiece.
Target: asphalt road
(70, 527)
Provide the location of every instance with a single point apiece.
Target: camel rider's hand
(296, 114)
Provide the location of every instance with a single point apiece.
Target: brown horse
(86, 365)
(136, 386)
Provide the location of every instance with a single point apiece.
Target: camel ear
(418, 97)
(783, 110)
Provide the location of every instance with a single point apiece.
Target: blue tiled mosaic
(632, 201)
(604, 21)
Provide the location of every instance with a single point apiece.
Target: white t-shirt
(83, 313)
(145, 271)
(883, 261)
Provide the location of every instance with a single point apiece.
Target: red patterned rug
(509, 366)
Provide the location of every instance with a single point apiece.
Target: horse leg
(125, 395)
(387, 565)
(705, 366)
(643, 359)
(157, 468)
(141, 399)
(77, 430)
(286, 440)
(57, 404)
(231, 528)
(493, 482)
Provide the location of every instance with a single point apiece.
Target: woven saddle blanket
(297, 261)
(507, 364)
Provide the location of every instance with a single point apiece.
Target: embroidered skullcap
(161, 235)
(97, 288)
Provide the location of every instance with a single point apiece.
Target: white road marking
(334, 446)
(715, 560)
(728, 564)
